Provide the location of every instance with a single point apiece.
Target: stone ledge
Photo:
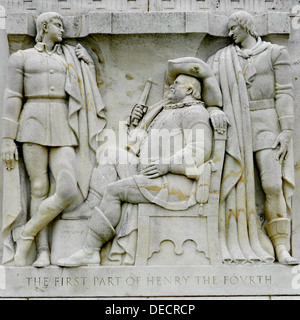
(159, 281)
(147, 23)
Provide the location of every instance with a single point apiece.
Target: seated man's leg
(125, 190)
(275, 205)
(113, 164)
(104, 220)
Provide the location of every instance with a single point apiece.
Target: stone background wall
(83, 6)
(132, 40)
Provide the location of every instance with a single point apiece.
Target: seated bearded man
(166, 178)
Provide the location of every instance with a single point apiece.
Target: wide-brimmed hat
(211, 92)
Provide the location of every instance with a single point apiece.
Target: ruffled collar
(183, 105)
(249, 54)
(260, 47)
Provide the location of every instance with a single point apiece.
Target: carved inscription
(150, 281)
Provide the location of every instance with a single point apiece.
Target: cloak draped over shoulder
(240, 232)
(86, 118)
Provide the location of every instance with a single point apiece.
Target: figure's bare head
(50, 23)
(185, 86)
(241, 25)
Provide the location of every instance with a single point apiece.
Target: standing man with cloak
(258, 99)
(53, 111)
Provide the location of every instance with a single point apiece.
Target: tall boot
(85, 209)
(278, 231)
(47, 211)
(94, 198)
(23, 245)
(100, 231)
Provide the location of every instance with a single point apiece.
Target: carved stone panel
(149, 148)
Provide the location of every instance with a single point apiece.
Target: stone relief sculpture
(52, 114)
(142, 174)
(195, 195)
(258, 98)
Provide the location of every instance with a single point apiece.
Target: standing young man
(256, 83)
(46, 113)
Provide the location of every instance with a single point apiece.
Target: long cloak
(240, 231)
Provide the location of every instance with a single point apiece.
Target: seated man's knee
(121, 190)
(66, 188)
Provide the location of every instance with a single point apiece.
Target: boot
(47, 211)
(100, 231)
(84, 210)
(278, 231)
(23, 245)
(89, 254)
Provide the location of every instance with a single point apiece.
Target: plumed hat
(197, 68)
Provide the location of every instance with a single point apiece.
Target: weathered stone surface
(130, 41)
(148, 281)
(68, 237)
(79, 26)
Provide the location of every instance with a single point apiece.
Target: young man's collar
(40, 46)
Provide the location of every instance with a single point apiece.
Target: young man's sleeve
(13, 97)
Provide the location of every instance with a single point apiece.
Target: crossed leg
(36, 160)
(61, 161)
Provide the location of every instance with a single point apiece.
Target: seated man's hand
(219, 120)
(156, 169)
(137, 114)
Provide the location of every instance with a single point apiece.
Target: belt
(262, 104)
(46, 100)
